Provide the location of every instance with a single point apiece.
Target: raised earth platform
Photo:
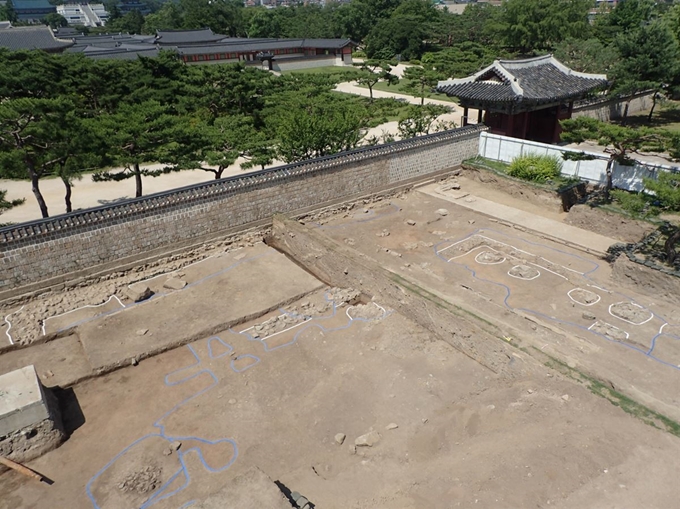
(30, 424)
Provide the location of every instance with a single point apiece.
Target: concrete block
(22, 400)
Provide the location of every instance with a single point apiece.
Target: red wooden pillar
(510, 125)
(525, 125)
(556, 128)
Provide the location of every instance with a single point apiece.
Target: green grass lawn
(400, 88)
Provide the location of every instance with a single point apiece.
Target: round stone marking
(489, 258)
(524, 272)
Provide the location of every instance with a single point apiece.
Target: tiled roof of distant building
(33, 37)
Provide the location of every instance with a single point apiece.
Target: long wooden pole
(21, 469)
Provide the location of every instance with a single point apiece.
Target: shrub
(535, 168)
(636, 204)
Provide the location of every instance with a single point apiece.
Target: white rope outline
(581, 303)
(651, 315)
(9, 325)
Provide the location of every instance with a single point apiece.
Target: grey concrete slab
(22, 401)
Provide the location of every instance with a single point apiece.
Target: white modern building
(89, 15)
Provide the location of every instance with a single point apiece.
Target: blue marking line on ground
(192, 371)
(508, 292)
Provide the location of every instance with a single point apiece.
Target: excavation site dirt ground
(335, 395)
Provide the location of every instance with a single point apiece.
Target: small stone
(442, 212)
(352, 449)
(588, 316)
(391, 425)
(471, 221)
(425, 420)
(530, 391)
(368, 440)
(174, 283)
(139, 295)
(176, 445)
(142, 332)
(134, 361)
(340, 438)
(167, 452)
(411, 222)
(565, 397)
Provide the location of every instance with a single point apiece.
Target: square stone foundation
(30, 422)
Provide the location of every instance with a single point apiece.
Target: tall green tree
(531, 26)
(136, 135)
(55, 20)
(6, 204)
(421, 80)
(648, 61)
(32, 137)
(373, 72)
(318, 128)
(222, 16)
(590, 55)
(421, 120)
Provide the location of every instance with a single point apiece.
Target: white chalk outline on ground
(610, 325)
(122, 306)
(352, 307)
(524, 278)
(651, 315)
(510, 256)
(9, 325)
(601, 289)
(581, 303)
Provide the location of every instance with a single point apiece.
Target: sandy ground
(448, 432)
(273, 391)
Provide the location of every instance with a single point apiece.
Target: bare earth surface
(310, 371)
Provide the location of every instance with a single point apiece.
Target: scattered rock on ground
(340, 438)
(142, 332)
(588, 316)
(139, 295)
(442, 212)
(142, 481)
(410, 222)
(368, 440)
(392, 425)
(174, 283)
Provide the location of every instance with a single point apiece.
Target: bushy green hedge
(535, 168)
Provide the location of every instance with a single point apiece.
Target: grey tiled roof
(179, 37)
(250, 45)
(536, 80)
(35, 37)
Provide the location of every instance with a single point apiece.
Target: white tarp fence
(505, 149)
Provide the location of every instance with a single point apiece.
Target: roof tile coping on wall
(95, 216)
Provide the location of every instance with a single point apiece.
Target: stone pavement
(554, 230)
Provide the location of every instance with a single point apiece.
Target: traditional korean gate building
(523, 98)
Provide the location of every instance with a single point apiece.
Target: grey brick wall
(46, 249)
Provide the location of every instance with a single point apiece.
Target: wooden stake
(21, 469)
